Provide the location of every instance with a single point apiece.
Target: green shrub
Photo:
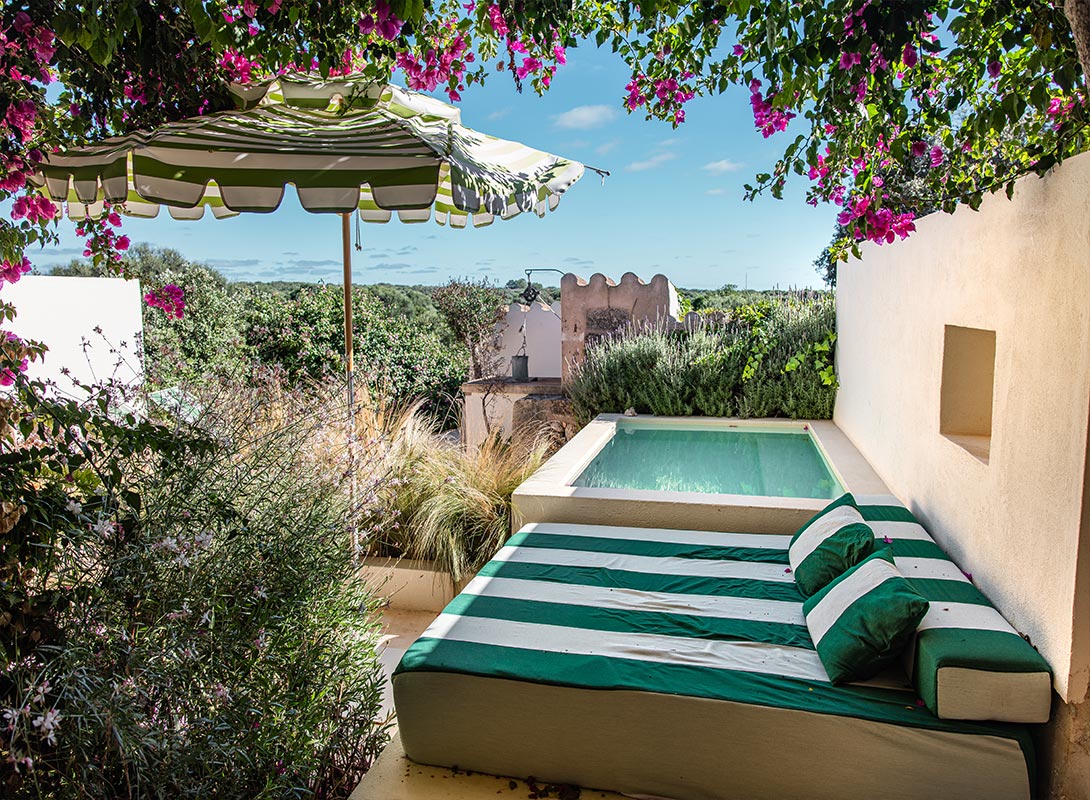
(210, 337)
(769, 359)
(471, 310)
(304, 334)
(402, 344)
(183, 613)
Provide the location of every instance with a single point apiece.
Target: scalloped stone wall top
(599, 307)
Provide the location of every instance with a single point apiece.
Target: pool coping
(546, 496)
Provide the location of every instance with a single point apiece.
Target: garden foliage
(180, 615)
(769, 359)
(401, 343)
(471, 310)
(305, 336)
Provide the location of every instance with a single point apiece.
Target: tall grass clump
(432, 499)
(182, 615)
(769, 359)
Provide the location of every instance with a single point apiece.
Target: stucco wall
(1012, 517)
(63, 312)
(541, 326)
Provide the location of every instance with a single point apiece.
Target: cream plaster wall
(489, 406)
(62, 312)
(1020, 268)
(541, 325)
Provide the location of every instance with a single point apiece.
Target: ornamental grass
(431, 499)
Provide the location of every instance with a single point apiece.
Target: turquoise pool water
(750, 461)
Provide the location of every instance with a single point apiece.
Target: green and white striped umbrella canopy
(345, 144)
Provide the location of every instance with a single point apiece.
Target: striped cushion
(863, 620)
(829, 544)
(967, 661)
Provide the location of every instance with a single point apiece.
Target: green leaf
(202, 23)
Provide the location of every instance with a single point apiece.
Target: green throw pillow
(832, 542)
(864, 619)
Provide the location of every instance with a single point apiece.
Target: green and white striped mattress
(967, 661)
(678, 664)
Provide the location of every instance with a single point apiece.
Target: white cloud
(499, 114)
(721, 167)
(715, 191)
(606, 147)
(656, 160)
(583, 118)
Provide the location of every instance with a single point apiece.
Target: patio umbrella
(348, 145)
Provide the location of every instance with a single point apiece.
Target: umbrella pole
(346, 249)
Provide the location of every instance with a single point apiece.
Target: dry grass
(433, 500)
(415, 491)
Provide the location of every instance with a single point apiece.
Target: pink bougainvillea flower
(738, 50)
(529, 65)
(249, 8)
(887, 540)
(919, 148)
(390, 28)
(766, 117)
(635, 97)
(909, 56)
(21, 116)
(936, 156)
(171, 299)
(34, 207)
(42, 43)
(994, 68)
(12, 271)
(560, 55)
(495, 18)
(849, 60)
(22, 22)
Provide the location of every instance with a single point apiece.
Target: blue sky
(673, 203)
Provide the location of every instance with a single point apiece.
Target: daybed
(678, 664)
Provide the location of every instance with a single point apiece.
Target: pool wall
(548, 496)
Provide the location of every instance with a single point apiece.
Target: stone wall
(599, 307)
